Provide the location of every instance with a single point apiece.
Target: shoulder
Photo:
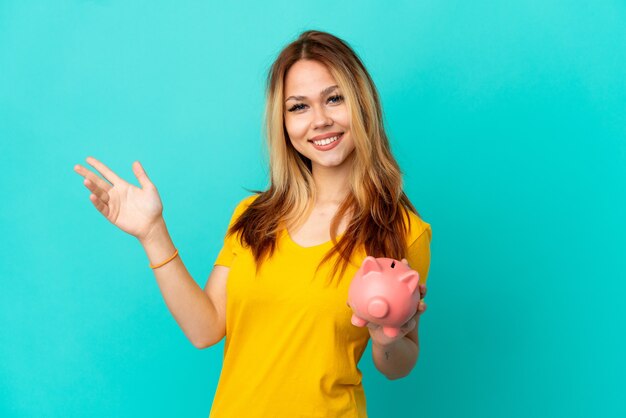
(247, 201)
(243, 204)
(416, 227)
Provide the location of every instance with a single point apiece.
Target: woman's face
(316, 116)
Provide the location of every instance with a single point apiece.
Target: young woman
(278, 290)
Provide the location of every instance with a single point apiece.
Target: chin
(330, 162)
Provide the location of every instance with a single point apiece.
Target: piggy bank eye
(393, 264)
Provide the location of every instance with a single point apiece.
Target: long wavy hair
(376, 204)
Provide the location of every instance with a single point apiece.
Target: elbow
(201, 344)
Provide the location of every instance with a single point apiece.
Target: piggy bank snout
(378, 307)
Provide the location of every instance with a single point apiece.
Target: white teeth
(326, 141)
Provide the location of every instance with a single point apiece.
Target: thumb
(141, 175)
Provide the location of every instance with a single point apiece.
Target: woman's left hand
(376, 331)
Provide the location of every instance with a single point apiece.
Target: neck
(332, 184)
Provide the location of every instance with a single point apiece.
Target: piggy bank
(384, 291)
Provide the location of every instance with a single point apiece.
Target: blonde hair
(377, 206)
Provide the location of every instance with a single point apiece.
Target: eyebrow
(322, 93)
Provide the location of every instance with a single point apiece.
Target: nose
(321, 119)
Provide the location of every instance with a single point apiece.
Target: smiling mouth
(327, 141)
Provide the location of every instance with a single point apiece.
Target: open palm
(132, 209)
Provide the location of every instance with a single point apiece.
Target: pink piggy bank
(384, 291)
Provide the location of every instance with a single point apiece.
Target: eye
(337, 98)
(296, 107)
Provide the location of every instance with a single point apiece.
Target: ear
(370, 264)
(411, 278)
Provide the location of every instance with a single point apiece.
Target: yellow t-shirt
(291, 350)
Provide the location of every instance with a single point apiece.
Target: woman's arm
(138, 211)
(397, 359)
(191, 306)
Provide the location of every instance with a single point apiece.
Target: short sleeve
(418, 254)
(229, 248)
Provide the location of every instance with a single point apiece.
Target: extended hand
(132, 209)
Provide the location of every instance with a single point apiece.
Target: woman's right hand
(132, 209)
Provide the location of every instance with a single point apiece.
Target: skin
(135, 210)
(315, 115)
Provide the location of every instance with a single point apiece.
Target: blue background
(508, 119)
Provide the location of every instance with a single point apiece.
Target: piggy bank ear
(411, 278)
(370, 264)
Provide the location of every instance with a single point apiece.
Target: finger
(372, 326)
(409, 325)
(92, 177)
(101, 194)
(100, 205)
(413, 318)
(106, 172)
(422, 291)
(141, 175)
(422, 308)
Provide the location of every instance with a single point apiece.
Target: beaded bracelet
(165, 262)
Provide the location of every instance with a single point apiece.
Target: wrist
(156, 233)
(158, 244)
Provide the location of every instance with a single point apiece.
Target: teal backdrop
(508, 119)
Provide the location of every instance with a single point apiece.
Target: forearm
(189, 304)
(397, 359)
